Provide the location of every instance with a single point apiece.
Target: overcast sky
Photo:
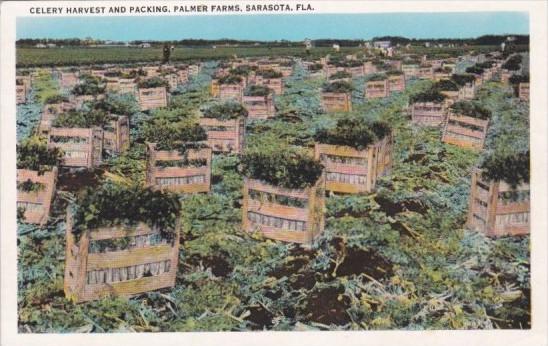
(277, 27)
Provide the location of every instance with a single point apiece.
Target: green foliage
(89, 85)
(338, 87)
(515, 79)
(377, 77)
(354, 133)
(242, 70)
(513, 169)
(113, 204)
(55, 99)
(348, 63)
(82, 119)
(172, 135)
(340, 75)
(257, 90)
(463, 79)
(394, 73)
(431, 95)
(230, 79)
(446, 85)
(513, 63)
(269, 74)
(315, 67)
(471, 109)
(117, 104)
(154, 82)
(224, 111)
(285, 167)
(475, 69)
(30, 186)
(34, 154)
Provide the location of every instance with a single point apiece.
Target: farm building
(117, 259)
(337, 97)
(258, 102)
(466, 125)
(377, 87)
(498, 209)
(35, 191)
(185, 171)
(225, 126)
(428, 108)
(353, 165)
(291, 210)
(82, 147)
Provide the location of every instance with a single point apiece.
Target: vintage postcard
(206, 172)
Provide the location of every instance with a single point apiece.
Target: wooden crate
(20, 94)
(178, 179)
(116, 135)
(493, 214)
(68, 80)
(410, 71)
(348, 170)
(394, 64)
(276, 84)
(231, 91)
(224, 136)
(214, 88)
(98, 72)
(336, 102)
(505, 76)
(122, 85)
(355, 71)
(377, 89)
(396, 83)
(24, 80)
(182, 76)
(523, 91)
(465, 131)
(152, 98)
(82, 147)
(283, 222)
(259, 107)
(50, 113)
(467, 92)
(369, 68)
(37, 204)
(425, 73)
(78, 100)
(151, 71)
(149, 263)
(428, 113)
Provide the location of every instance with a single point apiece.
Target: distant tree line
(482, 40)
